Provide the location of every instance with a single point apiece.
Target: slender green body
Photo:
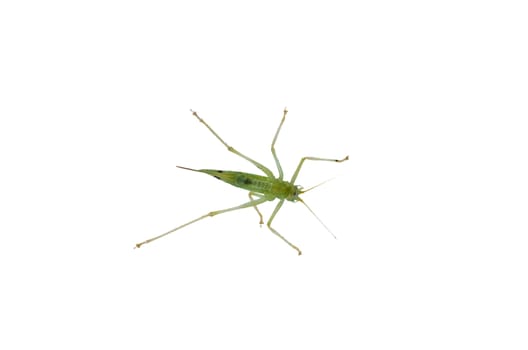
(269, 187)
(264, 188)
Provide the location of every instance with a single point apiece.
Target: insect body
(273, 188)
(261, 188)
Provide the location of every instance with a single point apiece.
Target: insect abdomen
(252, 182)
(269, 187)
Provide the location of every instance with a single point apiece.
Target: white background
(428, 99)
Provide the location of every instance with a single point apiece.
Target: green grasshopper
(261, 188)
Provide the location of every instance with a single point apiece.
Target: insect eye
(298, 190)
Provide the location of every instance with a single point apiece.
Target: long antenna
(311, 188)
(311, 211)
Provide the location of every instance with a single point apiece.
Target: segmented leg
(252, 203)
(251, 194)
(294, 177)
(232, 150)
(277, 208)
(273, 145)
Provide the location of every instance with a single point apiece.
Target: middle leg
(251, 194)
(273, 145)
